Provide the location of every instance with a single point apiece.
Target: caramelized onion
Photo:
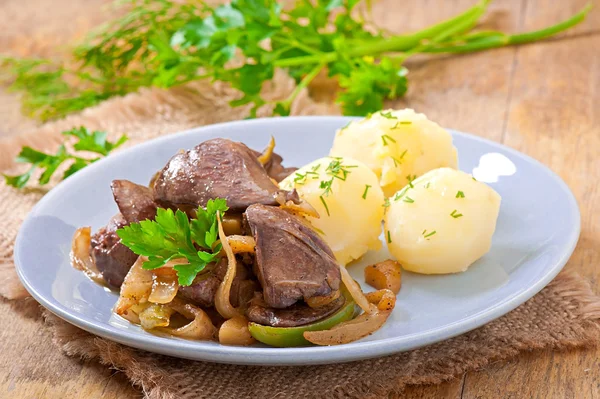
(303, 208)
(267, 152)
(164, 285)
(241, 244)
(355, 291)
(81, 259)
(136, 287)
(132, 314)
(155, 315)
(200, 327)
(360, 327)
(232, 224)
(319, 301)
(235, 332)
(222, 303)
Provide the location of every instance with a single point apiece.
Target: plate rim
(290, 356)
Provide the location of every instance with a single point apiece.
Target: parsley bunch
(165, 43)
(172, 235)
(95, 142)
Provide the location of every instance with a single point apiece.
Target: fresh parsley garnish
(242, 43)
(90, 141)
(172, 235)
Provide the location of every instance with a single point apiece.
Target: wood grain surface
(542, 99)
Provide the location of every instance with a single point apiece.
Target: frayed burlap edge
(574, 293)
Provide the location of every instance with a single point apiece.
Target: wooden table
(542, 99)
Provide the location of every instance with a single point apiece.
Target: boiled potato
(398, 146)
(347, 196)
(442, 222)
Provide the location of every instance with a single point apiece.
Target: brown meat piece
(202, 291)
(217, 168)
(275, 169)
(112, 258)
(298, 314)
(135, 202)
(292, 261)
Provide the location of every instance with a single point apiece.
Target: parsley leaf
(95, 142)
(166, 43)
(172, 235)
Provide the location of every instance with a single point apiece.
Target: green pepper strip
(292, 336)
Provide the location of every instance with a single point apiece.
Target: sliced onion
(303, 208)
(200, 327)
(319, 301)
(155, 315)
(232, 224)
(360, 327)
(222, 303)
(81, 258)
(164, 285)
(241, 244)
(267, 152)
(132, 314)
(136, 287)
(354, 290)
(235, 332)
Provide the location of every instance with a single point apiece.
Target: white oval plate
(537, 230)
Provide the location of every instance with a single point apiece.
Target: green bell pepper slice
(283, 337)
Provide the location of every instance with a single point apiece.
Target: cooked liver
(135, 202)
(202, 291)
(112, 258)
(292, 261)
(217, 168)
(296, 315)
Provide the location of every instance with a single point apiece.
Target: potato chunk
(442, 222)
(386, 274)
(398, 146)
(347, 196)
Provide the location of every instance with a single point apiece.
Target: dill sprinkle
(410, 179)
(396, 161)
(455, 215)
(403, 154)
(389, 238)
(400, 193)
(324, 204)
(460, 194)
(385, 138)
(397, 125)
(428, 184)
(408, 200)
(366, 190)
(428, 235)
(387, 115)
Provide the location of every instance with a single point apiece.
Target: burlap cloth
(564, 315)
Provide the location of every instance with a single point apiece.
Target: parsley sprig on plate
(164, 43)
(173, 236)
(91, 141)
